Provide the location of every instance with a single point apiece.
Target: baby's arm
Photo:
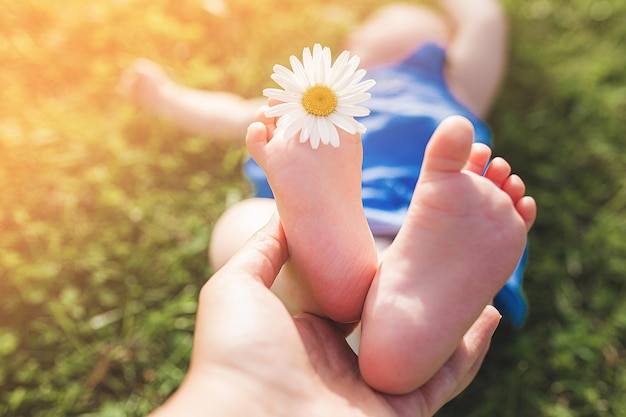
(219, 115)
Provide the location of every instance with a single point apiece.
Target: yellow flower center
(319, 100)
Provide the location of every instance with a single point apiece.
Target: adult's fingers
(464, 364)
(261, 257)
(474, 347)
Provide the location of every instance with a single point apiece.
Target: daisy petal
(324, 68)
(323, 129)
(333, 135)
(288, 82)
(314, 140)
(307, 129)
(347, 73)
(352, 110)
(284, 77)
(299, 73)
(344, 122)
(282, 95)
(357, 88)
(354, 99)
(336, 71)
(319, 96)
(309, 66)
(314, 137)
(281, 109)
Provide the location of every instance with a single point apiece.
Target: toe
(527, 208)
(256, 141)
(449, 148)
(478, 159)
(514, 187)
(498, 171)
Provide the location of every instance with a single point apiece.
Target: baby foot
(462, 239)
(318, 194)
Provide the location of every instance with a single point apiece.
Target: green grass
(105, 212)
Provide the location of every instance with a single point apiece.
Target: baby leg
(462, 239)
(318, 195)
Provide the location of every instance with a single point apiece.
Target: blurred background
(106, 211)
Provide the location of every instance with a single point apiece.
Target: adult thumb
(262, 256)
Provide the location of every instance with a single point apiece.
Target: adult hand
(251, 357)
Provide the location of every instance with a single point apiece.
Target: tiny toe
(527, 208)
(498, 171)
(478, 159)
(272, 102)
(514, 187)
(259, 115)
(269, 122)
(256, 140)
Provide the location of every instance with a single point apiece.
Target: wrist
(184, 402)
(219, 395)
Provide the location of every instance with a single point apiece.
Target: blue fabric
(408, 102)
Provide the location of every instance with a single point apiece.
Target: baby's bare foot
(318, 194)
(462, 239)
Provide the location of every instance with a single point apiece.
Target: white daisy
(318, 96)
